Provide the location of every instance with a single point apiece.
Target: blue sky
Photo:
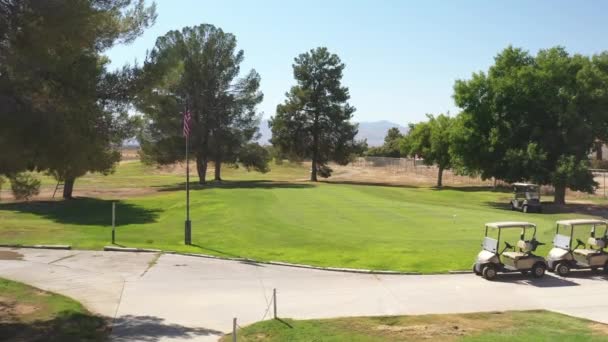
(402, 57)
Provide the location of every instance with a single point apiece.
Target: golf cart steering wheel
(508, 246)
(579, 243)
(535, 243)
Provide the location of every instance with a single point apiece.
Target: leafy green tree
(431, 141)
(533, 118)
(391, 147)
(314, 121)
(63, 111)
(197, 69)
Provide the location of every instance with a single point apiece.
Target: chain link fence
(411, 170)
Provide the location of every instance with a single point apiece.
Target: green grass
(532, 326)
(29, 314)
(266, 217)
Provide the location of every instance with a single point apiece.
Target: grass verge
(510, 326)
(30, 314)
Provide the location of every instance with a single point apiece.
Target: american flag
(187, 119)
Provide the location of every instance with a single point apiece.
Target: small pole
(234, 329)
(113, 222)
(274, 302)
(188, 223)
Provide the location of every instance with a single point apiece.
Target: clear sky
(402, 57)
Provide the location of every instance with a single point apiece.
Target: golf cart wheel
(538, 270)
(489, 272)
(594, 269)
(605, 269)
(475, 270)
(512, 207)
(524, 209)
(562, 269)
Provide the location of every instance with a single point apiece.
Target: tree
(64, 112)
(391, 147)
(196, 70)
(431, 141)
(533, 118)
(314, 121)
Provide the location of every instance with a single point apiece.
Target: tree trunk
(68, 188)
(315, 150)
(201, 169)
(440, 177)
(560, 194)
(218, 168)
(598, 151)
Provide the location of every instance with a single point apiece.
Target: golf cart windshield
(532, 194)
(490, 244)
(561, 241)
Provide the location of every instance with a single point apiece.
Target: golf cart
(564, 257)
(526, 198)
(518, 258)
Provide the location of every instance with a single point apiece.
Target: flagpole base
(188, 232)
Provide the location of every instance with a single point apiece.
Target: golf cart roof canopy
(581, 222)
(525, 185)
(513, 224)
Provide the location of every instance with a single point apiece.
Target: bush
(24, 186)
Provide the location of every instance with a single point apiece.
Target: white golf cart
(563, 257)
(526, 198)
(518, 258)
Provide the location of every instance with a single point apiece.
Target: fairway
(269, 217)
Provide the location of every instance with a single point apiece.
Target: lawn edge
(54, 247)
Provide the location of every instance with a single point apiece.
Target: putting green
(347, 225)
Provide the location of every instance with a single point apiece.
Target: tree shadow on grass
(476, 188)
(65, 327)
(85, 211)
(231, 184)
(151, 329)
(550, 208)
(369, 183)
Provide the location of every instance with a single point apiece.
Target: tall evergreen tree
(197, 69)
(62, 111)
(314, 121)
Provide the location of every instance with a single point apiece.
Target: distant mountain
(373, 131)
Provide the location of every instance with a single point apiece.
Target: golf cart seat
(595, 244)
(525, 248)
(586, 252)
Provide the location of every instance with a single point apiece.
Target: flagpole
(188, 224)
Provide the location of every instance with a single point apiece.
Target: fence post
(113, 222)
(274, 302)
(234, 329)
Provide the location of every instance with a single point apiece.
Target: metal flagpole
(188, 224)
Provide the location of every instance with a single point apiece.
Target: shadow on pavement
(85, 211)
(546, 281)
(151, 329)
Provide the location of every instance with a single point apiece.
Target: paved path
(180, 298)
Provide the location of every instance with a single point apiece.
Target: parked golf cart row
(561, 259)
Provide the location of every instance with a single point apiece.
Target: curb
(129, 249)
(287, 264)
(55, 247)
(460, 272)
(246, 260)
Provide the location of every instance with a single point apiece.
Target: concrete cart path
(181, 298)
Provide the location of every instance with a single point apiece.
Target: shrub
(24, 186)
